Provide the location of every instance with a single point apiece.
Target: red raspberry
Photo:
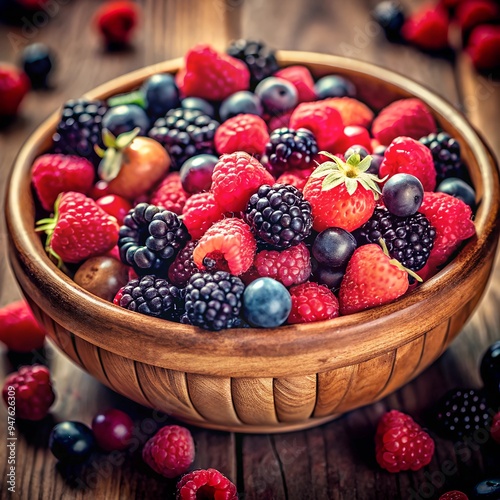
(200, 212)
(301, 77)
(211, 75)
(33, 394)
(297, 178)
(401, 444)
(242, 133)
(290, 267)
(321, 119)
(117, 21)
(352, 111)
(115, 205)
(451, 218)
(14, 85)
(473, 13)
(206, 483)
(408, 117)
(427, 28)
(183, 266)
(118, 296)
(280, 121)
(235, 178)
(228, 245)
(170, 452)
(484, 47)
(408, 156)
(495, 428)
(454, 495)
(312, 302)
(169, 194)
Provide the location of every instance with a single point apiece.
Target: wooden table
(335, 461)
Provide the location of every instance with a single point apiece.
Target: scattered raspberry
(427, 28)
(228, 245)
(211, 75)
(322, 120)
(170, 452)
(242, 133)
(352, 111)
(280, 121)
(401, 444)
(33, 391)
(117, 21)
(297, 178)
(235, 178)
(407, 117)
(451, 218)
(14, 85)
(495, 428)
(183, 266)
(290, 267)
(209, 484)
(301, 77)
(200, 212)
(408, 156)
(454, 495)
(169, 194)
(312, 302)
(484, 47)
(472, 13)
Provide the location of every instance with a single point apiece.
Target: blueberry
(277, 95)
(124, 118)
(333, 247)
(196, 173)
(459, 189)
(37, 62)
(356, 150)
(161, 94)
(199, 104)
(334, 86)
(403, 194)
(266, 303)
(380, 150)
(71, 442)
(490, 369)
(487, 490)
(240, 102)
(375, 164)
(331, 277)
(391, 18)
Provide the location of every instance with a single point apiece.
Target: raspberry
(228, 245)
(206, 483)
(235, 178)
(280, 121)
(210, 75)
(200, 212)
(484, 46)
(169, 194)
(312, 302)
(495, 428)
(242, 133)
(290, 267)
(427, 28)
(32, 388)
(473, 13)
(183, 266)
(301, 77)
(454, 495)
(401, 444)
(170, 452)
(408, 156)
(451, 218)
(408, 117)
(352, 111)
(296, 178)
(322, 120)
(117, 21)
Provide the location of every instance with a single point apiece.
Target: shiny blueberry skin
(124, 118)
(240, 102)
(356, 150)
(277, 95)
(37, 62)
(71, 442)
(334, 86)
(403, 194)
(112, 430)
(375, 164)
(490, 369)
(459, 189)
(266, 303)
(330, 277)
(161, 95)
(391, 18)
(199, 104)
(196, 173)
(333, 247)
(487, 490)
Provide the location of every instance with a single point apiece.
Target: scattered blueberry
(487, 490)
(356, 150)
(277, 95)
(459, 189)
(240, 102)
(199, 104)
(490, 369)
(403, 194)
(112, 430)
(37, 62)
(124, 118)
(161, 94)
(391, 18)
(266, 303)
(333, 247)
(334, 86)
(71, 442)
(196, 173)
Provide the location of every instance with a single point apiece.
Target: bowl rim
(241, 352)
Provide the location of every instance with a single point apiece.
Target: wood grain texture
(295, 398)
(253, 400)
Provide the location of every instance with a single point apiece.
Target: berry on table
(115, 205)
(37, 61)
(454, 495)
(242, 102)
(277, 95)
(161, 94)
(391, 18)
(200, 212)
(183, 267)
(170, 194)
(125, 118)
(117, 21)
(333, 247)
(14, 85)
(112, 429)
(427, 28)
(32, 391)
(470, 14)
(403, 194)
(488, 489)
(71, 442)
(334, 86)
(459, 189)
(312, 302)
(206, 483)
(495, 428)
(445, 153)
(483, 47)
(490, 370)
(301, 78)
(196, 173)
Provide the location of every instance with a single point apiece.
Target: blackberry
(152, 296)
(80, 129)
(279, 216)
(290, 149)
(460, 412)
(183, 266)
(446, 155)
(185, 133)
(213, 301)
(150, 238)
(408, 239)
(261, 60)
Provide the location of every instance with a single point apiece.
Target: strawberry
(427, 28)
(301, 77)
(342, 194)
(79, 229)
(14, 85)
(484, 47)
(371, 279)
(352, 111)
(53, 174)
(117, 21)
(19, 330)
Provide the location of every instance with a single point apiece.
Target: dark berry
(279, 215)
(380, 150)
(277, 95)
(333, 247)
(112, 430)
(356, 150)
(198, 104)
(243, 102)
(403, 194)
(330, 277)
(161, 95)
(37, 62)
(71, 442)
(375, 164)
(183, 266)
(124, 118)
(196, 173)
(266, 303)
(490, 370)
(391, 17)
(459, 189)
(446, 155)
(487, 490)
(334, 86)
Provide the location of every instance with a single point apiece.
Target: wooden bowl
(254, 380)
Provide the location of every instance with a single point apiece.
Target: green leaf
(354, 159)
(365, 163)
(351, 185)
(324, 169)
(332, 181)
(124, 140)
(108, 138)
(99, 151)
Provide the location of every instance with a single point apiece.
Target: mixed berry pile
(235, 194)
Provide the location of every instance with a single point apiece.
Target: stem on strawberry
(398, 264)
